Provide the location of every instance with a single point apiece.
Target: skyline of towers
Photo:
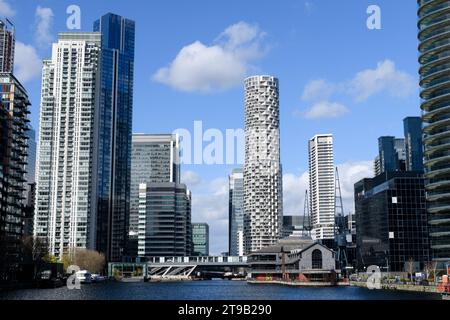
(236, 213)
(65, 211)
(434, 50)
(322, 186)
(263, 198)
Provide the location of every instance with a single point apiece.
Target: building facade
(263, 194)
(7, 46)
(391, 221)
(115, 103)
(391, 154)
(154, 159)
(295, 225)
(65, 211)
(434, 49)
(236, 213)
(294, 259)
(200, 239)
(14, 110)
(164, 220)
(413, 143)
(322, 186)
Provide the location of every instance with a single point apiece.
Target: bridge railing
(195, 260)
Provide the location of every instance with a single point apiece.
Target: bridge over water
(176, 267)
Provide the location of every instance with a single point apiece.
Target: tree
(90, 260)
(35, 249)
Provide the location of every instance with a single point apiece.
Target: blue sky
(336, 76)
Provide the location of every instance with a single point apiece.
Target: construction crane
(307, 226)
(340, 227)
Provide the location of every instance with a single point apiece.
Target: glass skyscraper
(114, 133)
(413, 143)
(434, 59)
(391, 221)
(392, 154)
(154, 159)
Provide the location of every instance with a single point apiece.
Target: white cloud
(325, 109)
(384, 78)
(6, 9)
(220, 66)
(44, 21)
(365, 84)
(190, 178)
(27, 64)
(308, 6)
(317, 90)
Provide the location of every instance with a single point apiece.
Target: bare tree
(35, 249)
(90, 260)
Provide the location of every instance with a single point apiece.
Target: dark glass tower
(413, 143)
(434, 59)
(391, 154)
(114, 135)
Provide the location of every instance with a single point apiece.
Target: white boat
(84, 276)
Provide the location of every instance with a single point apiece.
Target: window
(316, 259)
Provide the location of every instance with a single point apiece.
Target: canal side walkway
(293, 283)
(400, 287)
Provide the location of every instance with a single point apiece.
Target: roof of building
(288, 244)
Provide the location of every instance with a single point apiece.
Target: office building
(295, 225)
(7, 46)
(263, 195)
(164, 220)
(236, 213)
(154, 159)
(433, 25)
(113, 158)
(14, 110)
(413, 143)
(392, 154)
(200, 239)
(322, 186)
(391, 221)
(65, 211)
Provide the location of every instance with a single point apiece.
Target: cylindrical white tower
(263, 200)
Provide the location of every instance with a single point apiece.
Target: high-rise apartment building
(434, 60)
(322, 186)
(263, 199)
(65, 211)
(200, 239)
(164, 220)
(413, 143)
(14, 110)
(113, 141)
(154, 159)
(236, 213)
(7, 45)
